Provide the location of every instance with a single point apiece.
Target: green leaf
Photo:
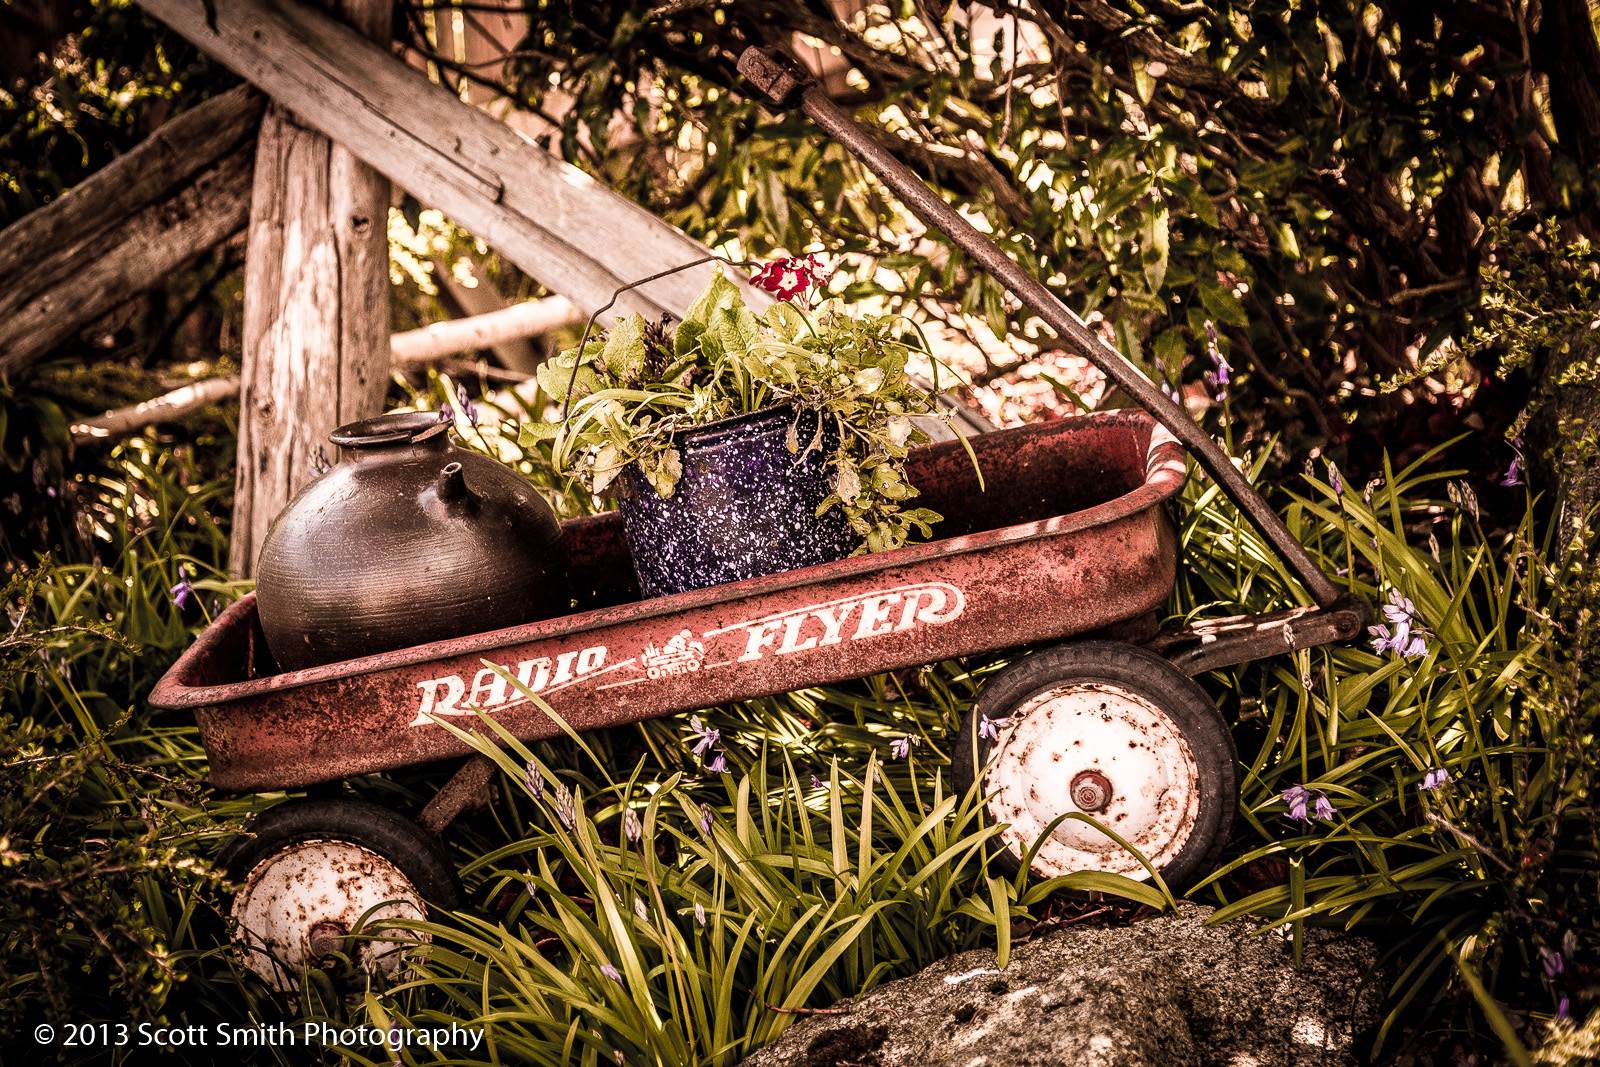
(1170, 347)
(720, 293)
(624, 350)
(1200, 204)
(1144, 87)
(1286, 241)
(1153, 250)
(532, 433)
(1222, 304)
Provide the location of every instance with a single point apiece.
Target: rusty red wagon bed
(1070, 537)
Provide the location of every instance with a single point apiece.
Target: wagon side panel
(817, 633)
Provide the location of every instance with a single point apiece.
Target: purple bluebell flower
(611, 972)
(719, 765)
(1298, 797)
(816, 783)
(566, 807)
(705, 736)
(1335, 479)
(1322, 808)
(705, 819)
(446, 412)
(1513, 475)
(1369, 489)
(1551, 961)
(1383, 641)
(1403, 632)
(1433, 779)
(632, 828)
(533, 779)
(1462, 496)
(1221, 371)
(183, 592)
(699, 913)
(989, 729)
(1564, 1008)
(901, 747)
(1399, 608)
(465, 405)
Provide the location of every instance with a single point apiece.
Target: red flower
(789, 278)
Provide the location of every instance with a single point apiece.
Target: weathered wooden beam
(556, 223)
(515, 323)
(316, 307)
(408, 350)
(183, 190)
(168, 407)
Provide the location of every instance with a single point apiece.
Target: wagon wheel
(1113, 731)
(312, 869)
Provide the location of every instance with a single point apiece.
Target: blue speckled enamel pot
(744, 507)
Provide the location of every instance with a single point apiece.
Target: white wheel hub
(1099, 749)
(298, 904)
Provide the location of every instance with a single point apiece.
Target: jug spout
(453, 483)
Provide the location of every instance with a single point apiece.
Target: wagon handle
(785, 83)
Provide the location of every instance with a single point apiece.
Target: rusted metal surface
(1212, 644)
(1103, 750)
(467, 788)
(786, 85)
(298, 904)
(1070, 537)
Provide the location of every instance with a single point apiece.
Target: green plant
(630, 394)
(1458, 821)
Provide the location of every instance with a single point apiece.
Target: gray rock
(1166, 991)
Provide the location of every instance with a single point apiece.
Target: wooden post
(316, 315)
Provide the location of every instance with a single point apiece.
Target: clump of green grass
(105, 822)
(1460, 826)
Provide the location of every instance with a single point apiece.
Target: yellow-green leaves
(1153, 248)
(630, 402)
(1222, 304)
(624, 349)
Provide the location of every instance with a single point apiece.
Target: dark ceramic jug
(745, 506)
(408, 539)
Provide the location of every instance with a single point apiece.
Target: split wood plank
(181, 192)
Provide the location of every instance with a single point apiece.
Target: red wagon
(1072, 539)
(1070, 547)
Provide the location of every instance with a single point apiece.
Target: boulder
(1167, 991)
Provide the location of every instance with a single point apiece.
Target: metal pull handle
(784, 83)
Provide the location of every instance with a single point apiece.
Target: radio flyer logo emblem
(683, 654)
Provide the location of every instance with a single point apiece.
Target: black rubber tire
(417, 853)
(1143, 672)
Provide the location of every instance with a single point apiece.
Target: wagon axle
(1091, 791)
